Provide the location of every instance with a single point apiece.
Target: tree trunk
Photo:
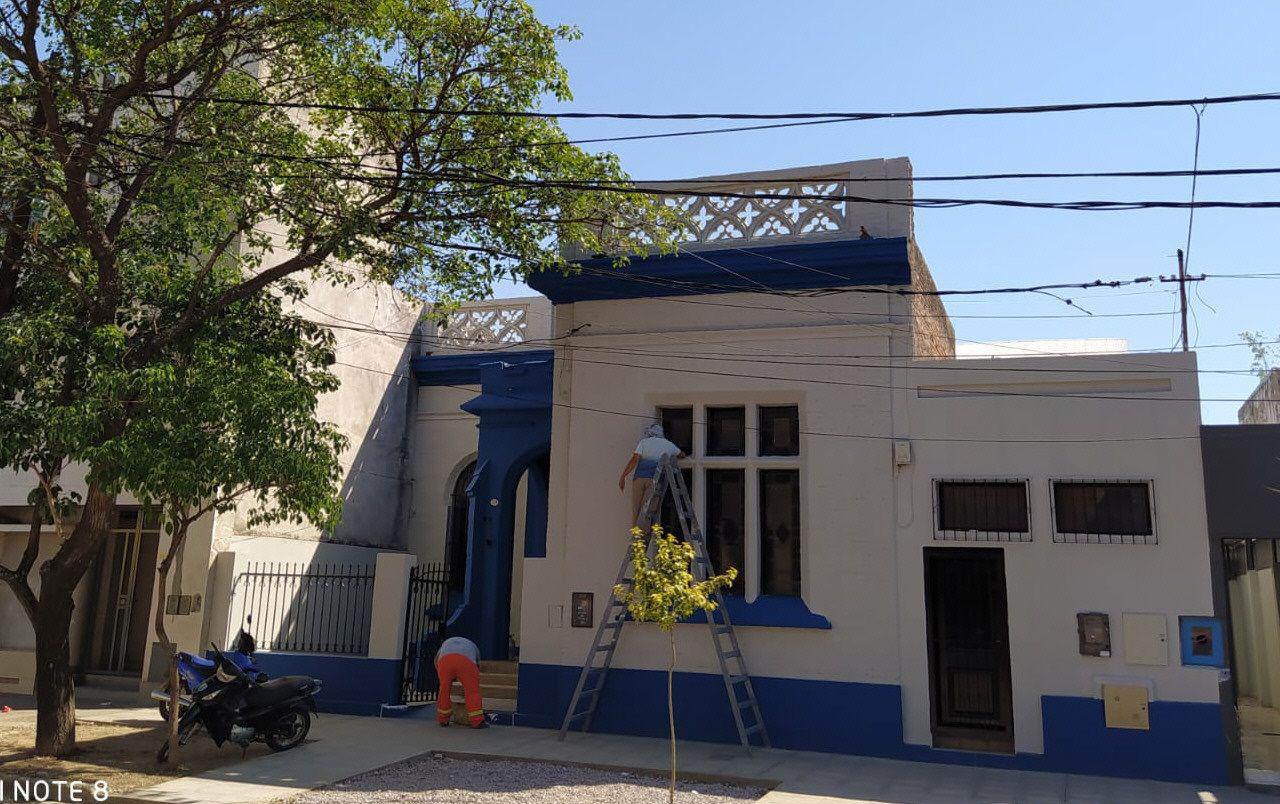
(162, 635)
(59, 577)
(671, 718)
(55, 688)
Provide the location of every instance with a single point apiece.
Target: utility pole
(1182, 299)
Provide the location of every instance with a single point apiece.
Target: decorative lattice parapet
(820, 202)
(495, 324)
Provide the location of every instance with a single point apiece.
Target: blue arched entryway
(514, 412)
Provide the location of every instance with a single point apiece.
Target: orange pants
(456, 666)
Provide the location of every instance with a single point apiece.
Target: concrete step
(489, 690)
(495, 704)
(501, 679)
(107, 681)
(494, 666)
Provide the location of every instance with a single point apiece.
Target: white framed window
(1091, 511)
(744, 470)
(982, 510)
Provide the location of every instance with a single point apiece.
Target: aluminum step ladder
(733, 667)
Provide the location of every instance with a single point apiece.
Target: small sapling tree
(666, 592)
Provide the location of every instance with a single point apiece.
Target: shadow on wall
(374, 490)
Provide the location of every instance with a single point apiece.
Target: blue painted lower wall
(353, 685)
(1185, 743)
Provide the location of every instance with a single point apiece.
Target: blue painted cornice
(791, 266)
(464, 369)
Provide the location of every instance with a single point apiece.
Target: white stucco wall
(606, 389)
(865, 523)
(444, 439)
(1152, 435)
(373, 327)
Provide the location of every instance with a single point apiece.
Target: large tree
(167, 166)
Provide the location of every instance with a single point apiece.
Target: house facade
(941, 559)
(998, 558)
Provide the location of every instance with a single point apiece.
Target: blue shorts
(645, 468)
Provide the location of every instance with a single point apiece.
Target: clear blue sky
(716, 55)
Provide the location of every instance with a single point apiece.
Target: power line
(818, 433)
(831, 116)
(874, 291)
(693, 183)
(624, 188)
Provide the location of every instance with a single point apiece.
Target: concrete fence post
(390, 600)
(219, 599)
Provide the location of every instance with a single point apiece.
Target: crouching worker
(459, 658)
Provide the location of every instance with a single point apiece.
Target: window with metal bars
(1103, 512)
(982, 511)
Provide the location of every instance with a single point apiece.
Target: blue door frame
(514, 413)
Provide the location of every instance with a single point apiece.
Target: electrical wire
(817, 433)
(832, 116)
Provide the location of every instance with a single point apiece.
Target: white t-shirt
(460, 645)
(651, 450)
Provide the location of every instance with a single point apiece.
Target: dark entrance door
(124, 577)
(968, 625)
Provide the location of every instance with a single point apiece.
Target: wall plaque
(1094, 630)
(583, 611)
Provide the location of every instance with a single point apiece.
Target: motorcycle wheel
(164, 705)
(162, 755)
(289, 731)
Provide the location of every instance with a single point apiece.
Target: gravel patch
(504, 782)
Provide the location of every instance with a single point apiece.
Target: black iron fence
(423, 631)
(309, 608)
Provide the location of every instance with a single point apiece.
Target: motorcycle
(193, 669)
(234, 707)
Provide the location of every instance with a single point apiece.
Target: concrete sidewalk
(341, 747)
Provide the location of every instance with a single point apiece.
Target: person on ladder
(459, 658)
(644, 461)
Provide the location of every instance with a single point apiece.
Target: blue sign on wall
(1202, 641)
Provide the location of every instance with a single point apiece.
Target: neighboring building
(1001, 560)
(112, 641)
(1263, 405)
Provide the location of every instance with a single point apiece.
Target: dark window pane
(677, 426)
(455, 555)
(1263, 555)
(726, 431)
(779, 430)
(991, 507)
(780, 531)
(668, 518)
(1117, 509)
(726, 517)
(126, 518)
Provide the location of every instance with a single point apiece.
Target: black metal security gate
(967, 614)
(423, 632)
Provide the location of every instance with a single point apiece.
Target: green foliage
(1263, 350)
(665, 591)
(166, 192)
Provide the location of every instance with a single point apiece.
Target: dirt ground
(457, 781)
(120, 753)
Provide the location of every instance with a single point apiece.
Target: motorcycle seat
(201, 662)
(270, 693)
